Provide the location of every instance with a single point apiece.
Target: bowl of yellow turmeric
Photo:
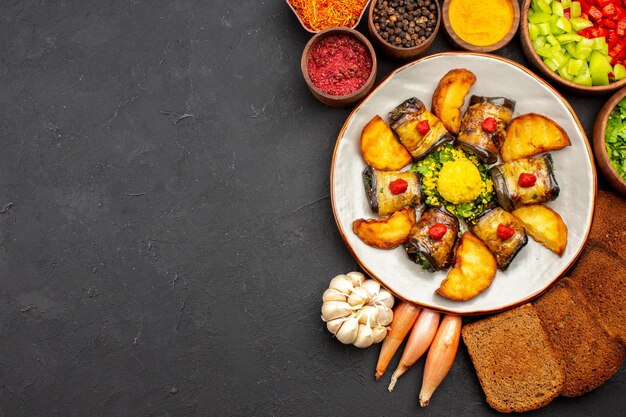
(480, 26)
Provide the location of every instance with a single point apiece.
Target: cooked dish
(484, 125)
(432, 239)
(461, 194)
(503, 234)
(454, 178)
(389, 191)
(420, 131)
(525, 181)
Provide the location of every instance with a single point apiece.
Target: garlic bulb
(357, 310)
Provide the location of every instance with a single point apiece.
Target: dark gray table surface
(166, 231)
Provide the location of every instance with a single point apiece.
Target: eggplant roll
(379, 195)
(486, 228)
(404, 120)
(430, 253)
(473, 138)
(506, 182)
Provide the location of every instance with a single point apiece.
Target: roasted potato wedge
(386, 232)
(381, 149)
(449, 97)
(544, 225)
(531, 134)
(473, 271)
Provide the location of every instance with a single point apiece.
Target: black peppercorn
(405, 23)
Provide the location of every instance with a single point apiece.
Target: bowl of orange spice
(480, 26)
(318, 15)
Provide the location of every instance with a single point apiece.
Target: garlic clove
(334, 325)
(357, 278)
(372, 287)
(332, 310)
(365, 336)
(358, 296)
(384, 297)
(332, 294)
(347, 333)
(342, 283)
(379, 333)
(385, 315)
(368, 313)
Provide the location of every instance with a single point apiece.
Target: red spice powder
(339, 65)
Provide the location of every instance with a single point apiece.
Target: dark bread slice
(608, 222)
(515, 362)
(601, 277)
(588, 354)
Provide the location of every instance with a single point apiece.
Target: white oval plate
(535, 268)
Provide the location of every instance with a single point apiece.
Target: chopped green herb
(615, 137)
(423, 261)
(429, 169)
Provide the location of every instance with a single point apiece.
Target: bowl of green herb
(609, 140)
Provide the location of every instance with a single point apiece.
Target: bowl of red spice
(339, 66)
(318, 15)
(403, 29)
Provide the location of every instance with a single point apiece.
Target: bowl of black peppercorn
(403, 29)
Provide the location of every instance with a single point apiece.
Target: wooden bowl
(318, 31)
(460, 43)
(551, 76)
(338, 101)
(395, 52)
(599, 149)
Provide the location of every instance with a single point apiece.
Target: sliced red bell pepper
(566, 13)
(608, 10)
(603, 3)
(595, 13)
(608, 23)
(621, 27)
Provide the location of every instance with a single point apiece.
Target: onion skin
(404, 317)
(440, 356)
(420, 339)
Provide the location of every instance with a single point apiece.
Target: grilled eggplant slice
(506, 182)
(474, 138)
(423, 249)
(486, 229)
(404, 120)
(379, 195)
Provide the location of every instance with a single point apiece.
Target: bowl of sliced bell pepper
(577, 45)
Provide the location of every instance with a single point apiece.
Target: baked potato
(449, 97)
(381, 149)
(473, 271)
(386, 232)
(544, 225)
(531, 134)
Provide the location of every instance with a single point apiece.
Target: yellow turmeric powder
(483, 22)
